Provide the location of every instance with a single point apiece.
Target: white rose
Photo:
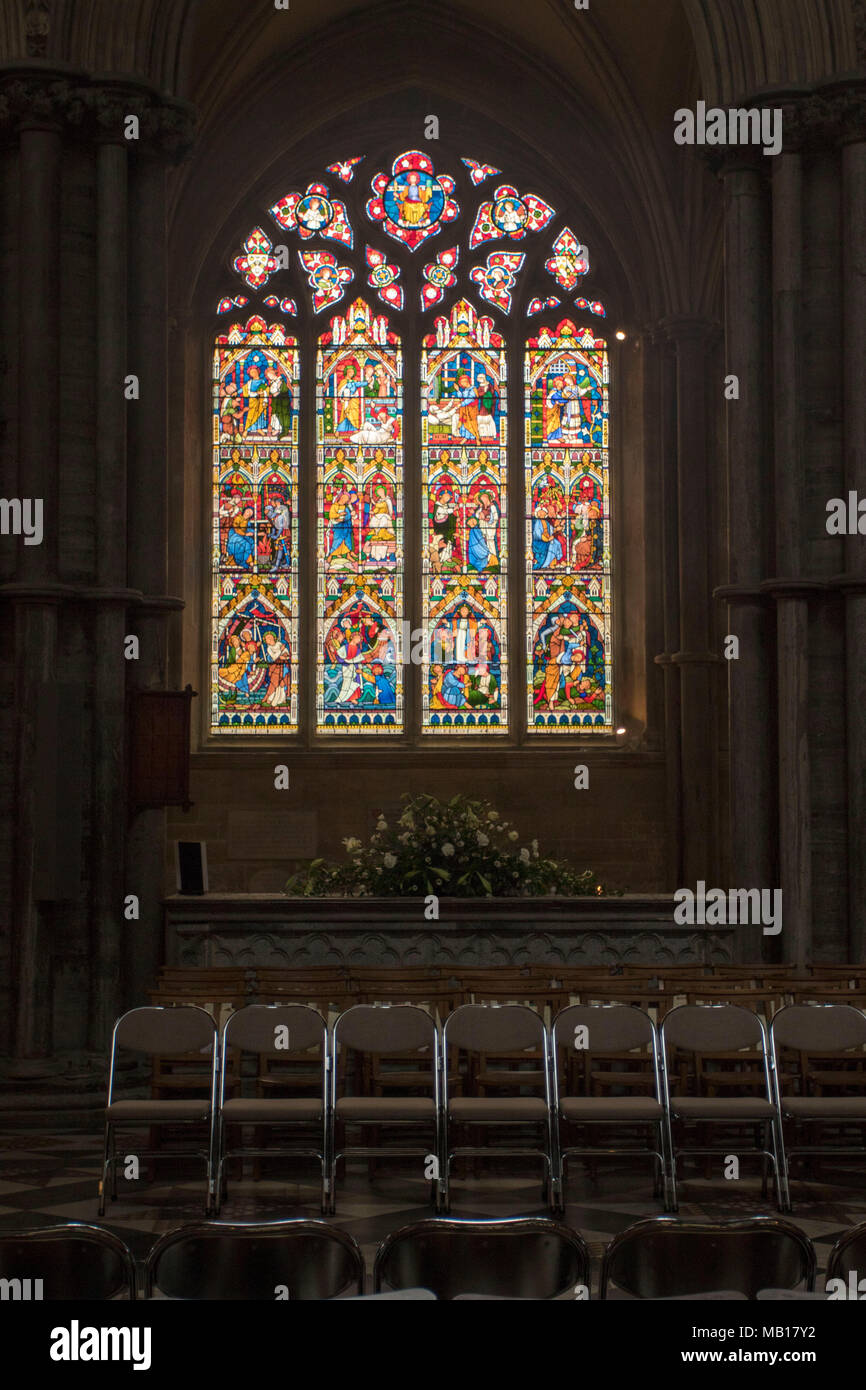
(493, 815)
(352, 845)
(447, 850)
(524, 856)
(381, 823)
(482, 839)
(512, 834)
(389, 861)
(404, 838)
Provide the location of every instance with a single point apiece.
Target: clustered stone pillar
(83, 238)
(750, 717)
(695, 663)
(795, 226)
(854, 581)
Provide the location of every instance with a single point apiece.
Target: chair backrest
(386, 1028)
(155, 1029)
(848, 1254)
(712, 1028)
(664, 1257)
(525, 1258)
(819, 1027)
(494, 1028)
(72, 1261)
(260, 1261)
(255, 1028)
(610, 1028)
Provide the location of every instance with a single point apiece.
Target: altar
(251, 929)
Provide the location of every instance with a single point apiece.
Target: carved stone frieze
(243, 946)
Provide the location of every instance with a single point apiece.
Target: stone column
(661, 414)
(109, 675)
(147, 523)
(692, 337)
(791, 592)
(64, 131)
(854, 582)
(35, 591)
(750, 709)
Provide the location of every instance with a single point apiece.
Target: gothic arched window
(373, 455)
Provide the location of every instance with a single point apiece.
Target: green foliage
(459, 849)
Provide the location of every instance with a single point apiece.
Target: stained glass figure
(314, 213)
(568, 568)
(359, 436)
(345, 168)
(255, 263)
(382, 277)
(537, 305)
(479, 172)
(254, 639)
(240, 301)
(569, 261)
(440, 276)
(497, 278)
(464, 537)
(412, 202)
(594, 306)
(326, 278)
(509, 214)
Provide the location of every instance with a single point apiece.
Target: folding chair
(703, 1028)
(70, 1260)
(381, 1029)
(250, 1260)
(839, 1032)
(847, 1258)
(504, 1029)
(664, 1257)
(283, 1034)
(531, 1257)
(156, 1031)
(610, 1029)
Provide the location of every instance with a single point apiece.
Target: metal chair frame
(367, 1151)
(109, 1158)
(470, 1151)
(662, 1156)
(709, 1228)
(510, 1226)
(75, 1230)
(812, 1150)
(775, 1155)
(244, 1151)
(272, 1230)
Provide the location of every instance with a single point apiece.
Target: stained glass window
(463, 508)
(359, 448)
(568, 560)
(254, 685)
(496, 262)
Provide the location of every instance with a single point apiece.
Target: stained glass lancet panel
(463, 509)
(568, 569)
(255, 572)
(359, 437)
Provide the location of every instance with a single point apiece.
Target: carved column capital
(98, 108)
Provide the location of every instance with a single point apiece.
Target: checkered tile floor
(47, 1178)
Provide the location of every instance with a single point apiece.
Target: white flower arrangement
(461, 848)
